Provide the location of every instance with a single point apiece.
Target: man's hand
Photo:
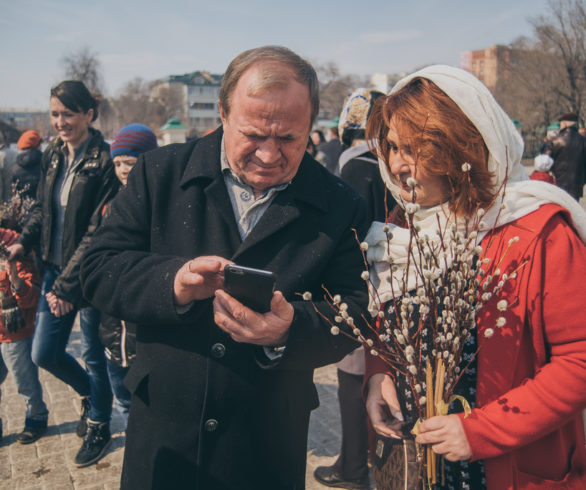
(59, 307)
(199, 279)
(446, 436)
(383, 406)
(246, 325)
(15, 250)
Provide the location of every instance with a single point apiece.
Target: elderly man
(221, 394)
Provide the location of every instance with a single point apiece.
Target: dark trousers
(352, 461)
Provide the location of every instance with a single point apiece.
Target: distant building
(173, 132)
(9, 133)
(491, 66)
(198, 93)
(23, 118)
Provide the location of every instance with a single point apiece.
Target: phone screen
(252, 287)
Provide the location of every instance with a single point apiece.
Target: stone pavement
(48, 463)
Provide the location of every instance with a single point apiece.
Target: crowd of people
(134, 240)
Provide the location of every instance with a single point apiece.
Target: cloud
(64, 37)
(386, 37)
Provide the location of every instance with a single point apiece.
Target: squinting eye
(254, 137)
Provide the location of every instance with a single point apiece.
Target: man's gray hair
(270, 60)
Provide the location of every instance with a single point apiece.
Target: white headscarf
(521, 195)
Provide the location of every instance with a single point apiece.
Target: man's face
(266, 134)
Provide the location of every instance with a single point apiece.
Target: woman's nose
(398, 164)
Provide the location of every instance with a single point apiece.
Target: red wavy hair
(440, 138)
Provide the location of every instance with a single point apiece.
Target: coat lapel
(305, 188)
(203, 169)
(279, 214)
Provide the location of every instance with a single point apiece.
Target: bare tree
(85, 66)
(106, 123)
(562, 33)
(139, 101)
(168, 100)
(545, 74)
(334, 88)
(529, 92)
(133, 103)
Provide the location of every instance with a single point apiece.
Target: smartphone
(252, 287)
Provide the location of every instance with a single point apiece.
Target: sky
(152, 40)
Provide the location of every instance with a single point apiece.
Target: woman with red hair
(445, 145)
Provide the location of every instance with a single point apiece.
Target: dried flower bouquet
(421, 329)
(14, 212)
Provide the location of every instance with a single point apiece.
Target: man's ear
(222, 112)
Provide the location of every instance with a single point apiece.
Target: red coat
(531, 385)
(543, 176)
(27, 297)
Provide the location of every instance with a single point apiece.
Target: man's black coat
(207, 412)
(568, 151)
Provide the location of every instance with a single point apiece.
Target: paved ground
(48, 463)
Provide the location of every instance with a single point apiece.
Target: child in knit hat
(128, 144)
(26, 172)
(118, 336)
(543, 164)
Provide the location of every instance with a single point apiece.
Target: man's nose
(268, 151)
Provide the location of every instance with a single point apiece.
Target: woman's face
(71, 126)
(315, 138)
(429, 189)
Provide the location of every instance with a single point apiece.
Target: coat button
(218, 350)
(211, 425)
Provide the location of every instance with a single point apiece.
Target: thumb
(395, 412)
(280, 306)
(431, 424)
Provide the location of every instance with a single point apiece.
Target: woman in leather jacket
(77, 178)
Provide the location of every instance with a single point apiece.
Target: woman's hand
(383, 406)
(12, 271)
(59, 307)
(446, 435)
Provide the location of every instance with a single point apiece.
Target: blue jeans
(49, 344)
(16, 359)
(117, 374)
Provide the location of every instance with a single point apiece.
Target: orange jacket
(27, 297)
